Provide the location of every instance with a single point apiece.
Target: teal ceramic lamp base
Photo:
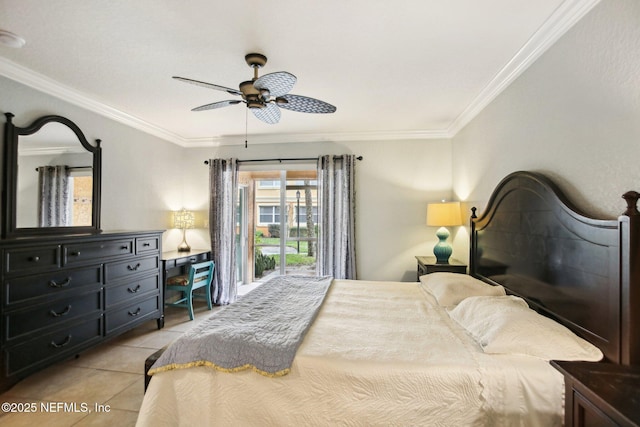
(442, 250)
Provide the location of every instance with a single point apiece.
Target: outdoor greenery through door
(282, 215)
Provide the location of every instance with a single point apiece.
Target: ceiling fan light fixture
(265, 95)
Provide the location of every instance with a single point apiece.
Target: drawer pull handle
(134, 268)
(133, 291)
(146, 244)
(65, 342)
(64, 284)
(62, 313)
(192, 259)
(75, 253)
(135, 313)
(34, 259)
(124, 247)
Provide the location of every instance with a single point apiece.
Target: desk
(176, 263)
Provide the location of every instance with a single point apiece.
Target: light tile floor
(108, 379)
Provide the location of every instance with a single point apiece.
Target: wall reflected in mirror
(54, 179)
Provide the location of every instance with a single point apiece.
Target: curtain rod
(71, 167)
(206, 162)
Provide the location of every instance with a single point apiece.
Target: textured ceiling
(402, 69)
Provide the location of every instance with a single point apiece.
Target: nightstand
(427, 265)
(600, 394)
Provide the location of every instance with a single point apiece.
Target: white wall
(574, 115)
(142, 175)
(394, 183)
(144, 178)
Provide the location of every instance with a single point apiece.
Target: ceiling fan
(265, 95)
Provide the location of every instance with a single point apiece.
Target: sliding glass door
(242, 241)
(284, 223)
(300, 245)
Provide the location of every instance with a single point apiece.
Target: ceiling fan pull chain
(246, 127)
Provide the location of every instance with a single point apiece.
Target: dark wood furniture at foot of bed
(604, 394)
(580, 271)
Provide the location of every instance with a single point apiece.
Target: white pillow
(451, 288)
(506, 325)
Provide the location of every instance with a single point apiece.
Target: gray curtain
(223, 184)
(337, 215)
(55, 196)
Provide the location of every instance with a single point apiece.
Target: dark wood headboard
(581, 271)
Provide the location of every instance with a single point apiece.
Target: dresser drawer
(130, 267)
(133, 312)
(30, 260)
(96, 251)
(130, 290)
(145, 245)
(27, 289)
(55, 345)
(21, 323)
(192, 259)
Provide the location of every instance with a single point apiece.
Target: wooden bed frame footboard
(581, 271)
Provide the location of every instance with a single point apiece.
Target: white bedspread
(379, 353)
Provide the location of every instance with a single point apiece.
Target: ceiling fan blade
(269, 114)
(209, 85)
(277, 83)
(304, 104)
(215, 105)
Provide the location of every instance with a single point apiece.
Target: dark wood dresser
(64, 294)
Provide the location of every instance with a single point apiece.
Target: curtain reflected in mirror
(54, 196)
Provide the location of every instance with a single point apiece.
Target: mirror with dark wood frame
(52, 179)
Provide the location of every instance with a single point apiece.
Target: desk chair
(200, 276)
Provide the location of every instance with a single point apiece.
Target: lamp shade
(444, 214)
(183, 219)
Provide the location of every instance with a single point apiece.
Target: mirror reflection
(54, 179)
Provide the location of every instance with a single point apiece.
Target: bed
(430, 353)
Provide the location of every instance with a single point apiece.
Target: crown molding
(54, 88)
(280, 138)
(562, 19)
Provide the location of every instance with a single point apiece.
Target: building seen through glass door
(279, 225)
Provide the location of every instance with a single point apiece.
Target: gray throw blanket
(261, 331)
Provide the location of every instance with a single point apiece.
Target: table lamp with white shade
(183, 219)
(443, 214)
